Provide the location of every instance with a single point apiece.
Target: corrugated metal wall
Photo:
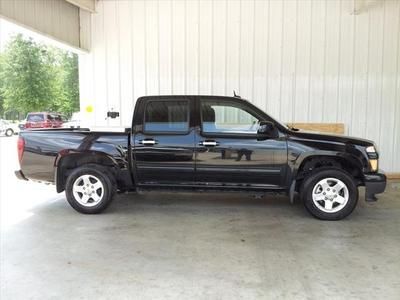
(301, 61)
(57, 19)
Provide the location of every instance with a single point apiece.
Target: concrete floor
(185, 246)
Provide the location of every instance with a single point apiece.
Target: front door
(228, 152)
(163, 143)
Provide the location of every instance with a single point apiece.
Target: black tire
(93, 171)
(317, 209)
(9, 132)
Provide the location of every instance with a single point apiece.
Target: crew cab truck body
(203, 143)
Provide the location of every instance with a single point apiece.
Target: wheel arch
(67, 161)
(308, 163)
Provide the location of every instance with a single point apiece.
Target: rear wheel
(9, 132)
(90, 189)
(329, 194)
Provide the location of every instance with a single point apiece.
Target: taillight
(21, 148)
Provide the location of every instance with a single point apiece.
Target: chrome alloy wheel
(330, 195)
(88, 190)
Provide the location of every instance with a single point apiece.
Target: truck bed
(45, 148)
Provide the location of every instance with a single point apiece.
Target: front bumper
(20, 175)
(374, 184)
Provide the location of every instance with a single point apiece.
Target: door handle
(208, 143)
(148, 142)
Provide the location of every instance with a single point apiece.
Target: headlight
(371, 149)
(373, 158)
(372, 152)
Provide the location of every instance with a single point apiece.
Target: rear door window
(55, 117)
(167, 116)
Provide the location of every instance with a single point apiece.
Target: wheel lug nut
(324, 193)
(328, 189)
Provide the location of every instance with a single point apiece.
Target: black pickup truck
(203, 143)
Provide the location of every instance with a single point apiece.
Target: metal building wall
(56, 19)
(301, 61)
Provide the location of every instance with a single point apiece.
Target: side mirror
(267, 130)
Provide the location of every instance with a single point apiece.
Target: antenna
(235, 95)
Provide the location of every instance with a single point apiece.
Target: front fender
(300, 151)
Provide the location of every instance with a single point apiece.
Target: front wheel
(9, 132)
(90, 189)
(329, 194)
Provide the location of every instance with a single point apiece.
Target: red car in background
(43, 120)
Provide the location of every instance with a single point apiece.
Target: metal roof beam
(89, 5)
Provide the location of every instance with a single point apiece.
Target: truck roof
(188, 96)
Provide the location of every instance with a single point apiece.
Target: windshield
(273, 119)
(280, 123)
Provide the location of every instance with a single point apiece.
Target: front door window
(224, 117)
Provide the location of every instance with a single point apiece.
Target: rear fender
(67, 160)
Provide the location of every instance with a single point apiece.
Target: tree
(35, 77)
(68, 81)
(26, 76)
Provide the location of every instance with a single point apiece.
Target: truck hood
(321, 137)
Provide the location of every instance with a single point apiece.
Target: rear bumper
(20, 175)
(374, 184)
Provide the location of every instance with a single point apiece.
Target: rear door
(57, 120)
(163, 141)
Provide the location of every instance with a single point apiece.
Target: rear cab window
(35, 118)
(166, 116)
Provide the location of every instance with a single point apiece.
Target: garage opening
(39, 79)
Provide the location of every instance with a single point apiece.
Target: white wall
(301, 61)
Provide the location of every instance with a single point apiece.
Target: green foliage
(35, 77)
(68, 82)
(1, 84)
